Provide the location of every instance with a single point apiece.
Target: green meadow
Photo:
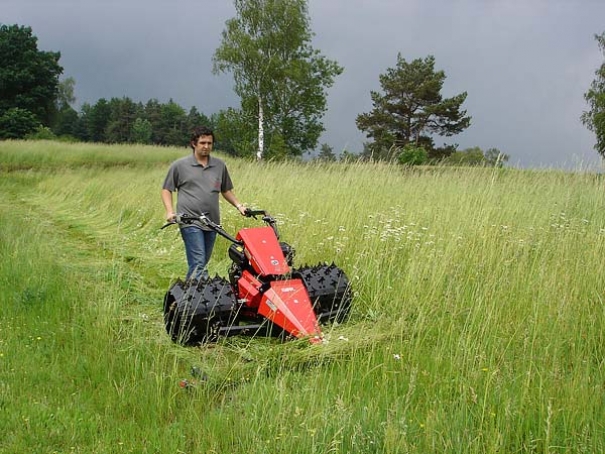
(477, 325)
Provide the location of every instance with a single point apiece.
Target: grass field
(478, 322)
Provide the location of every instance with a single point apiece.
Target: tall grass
(477, 323)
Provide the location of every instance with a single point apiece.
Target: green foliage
(142, 131)
(196, 118)
(29, 78)
(412, 106)
(233, 133)
(347, 157)
(373, 152)
(16, 123)
(438, 154)
(280, 78)
(495, 158)
(173, 126)
(475, 156)
(41, 133)
(67, 122)
(468, 157)
(412, 155)
(115, 121)
(122, 115)
(95, 119)
(153, 113)
(278, 149)
(326, 153)
(65, 92)
(594, 119)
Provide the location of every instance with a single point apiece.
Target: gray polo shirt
(198, 187)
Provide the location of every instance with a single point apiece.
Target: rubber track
(192, 313)
(329, 291)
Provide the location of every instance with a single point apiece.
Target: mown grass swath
(477, 324)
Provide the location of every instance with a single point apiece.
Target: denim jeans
(198, 248)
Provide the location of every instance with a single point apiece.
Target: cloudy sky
(525, 64)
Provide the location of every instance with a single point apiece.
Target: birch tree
(281, 79)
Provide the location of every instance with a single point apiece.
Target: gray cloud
(524, 64)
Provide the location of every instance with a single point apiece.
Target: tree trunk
(261, 130)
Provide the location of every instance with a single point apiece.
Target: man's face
(203, 146)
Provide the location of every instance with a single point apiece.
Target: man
(198, 179)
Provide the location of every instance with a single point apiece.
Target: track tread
(193, 313)
(329, 290)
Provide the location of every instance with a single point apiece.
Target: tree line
(282, 82)
(121, 120)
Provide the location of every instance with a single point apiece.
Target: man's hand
(242, 209)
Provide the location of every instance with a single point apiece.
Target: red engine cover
(263, 250)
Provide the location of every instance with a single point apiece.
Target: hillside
(477, 323)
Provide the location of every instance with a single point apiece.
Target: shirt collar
(194, 162)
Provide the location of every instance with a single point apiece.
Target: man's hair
(198, 132)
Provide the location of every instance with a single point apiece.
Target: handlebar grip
(184, 218)
(253, 213)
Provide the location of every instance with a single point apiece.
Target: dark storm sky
(525, 64)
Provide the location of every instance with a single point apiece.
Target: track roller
(194, 312)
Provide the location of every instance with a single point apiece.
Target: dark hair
(198, 132)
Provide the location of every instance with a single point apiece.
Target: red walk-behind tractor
(264, 294)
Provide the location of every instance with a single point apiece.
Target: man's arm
(230, 197)
(167, 200)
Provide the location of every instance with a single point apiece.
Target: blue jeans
(198, 248)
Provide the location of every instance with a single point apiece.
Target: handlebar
(204, 220)
(266, 217)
